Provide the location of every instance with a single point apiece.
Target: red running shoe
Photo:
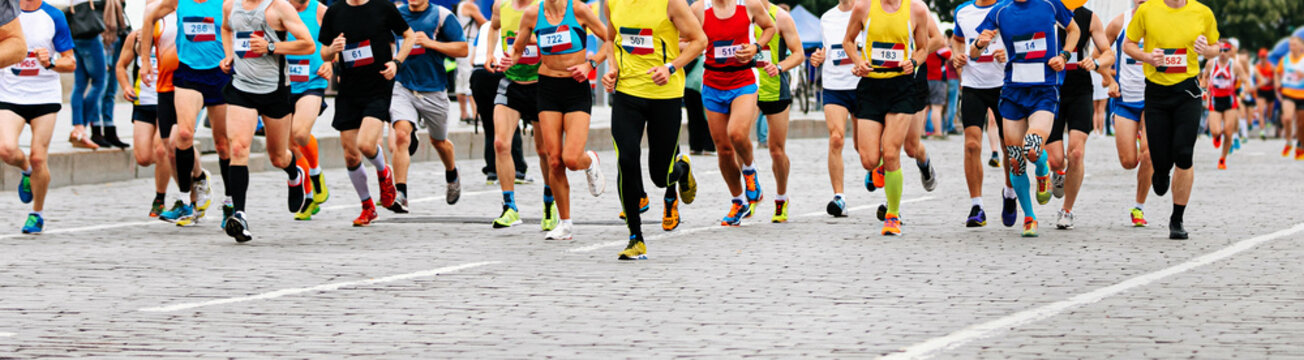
(387, 191)
(368, 214)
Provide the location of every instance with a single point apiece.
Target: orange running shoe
(1299, 153)
(879, 180)
(891, 225)
(368, 214)
(1217, 141)
(1222, 163)
(1285, 151)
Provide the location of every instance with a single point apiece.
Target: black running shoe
(238, 228)
(296, 193)
(1176, 232)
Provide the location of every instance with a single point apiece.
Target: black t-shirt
(1078, 81)
(369, 30)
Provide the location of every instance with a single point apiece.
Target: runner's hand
(43, 55)
(580, 72)
(861, 69)
(746, 53)
(391, 69)
(1113, 90)
(1000, 55)
(959, 60)
(128, 93)
(985, 39)
(422, 38)
(226, 64)
(1056, 63)
(771, 70)
(908, 67)
(337, 45)
(504, 64)
(609, 79)
(490, 63)
(1201, 44)
(258, 45)
(660, 75)
(817, 58)
(326, 71)
(1157, 57)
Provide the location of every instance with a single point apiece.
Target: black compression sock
(1178, 212)
(402, 188)
(450, 175)
(185, 164)
(160, 197)
(238, 185)
(292, 170)
(224, 167)
(316, 182)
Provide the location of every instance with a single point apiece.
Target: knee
(1129, 162)
(184, 136)
(1183, 158)
(237, 149)
(572, 161)
(368, 145)
(144, 158)
(352, 159)
(402, 139)
(503, 146)
(739, 136)
(38, 161)
(282, 160)
(10, 151)
(301, 138)
(777, 152)
(973, 146)
(1075, 155)
(836, 141)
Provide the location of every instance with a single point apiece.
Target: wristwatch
(51, 66)
(672, 68)
(593, 64)
(271, 47)
(1067, 55)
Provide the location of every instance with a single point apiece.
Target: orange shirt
(165, 50)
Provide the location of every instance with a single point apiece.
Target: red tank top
(1222, 80)
(1265, 72)
(724, 37)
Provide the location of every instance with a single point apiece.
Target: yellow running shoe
(1029, 227)
(1043, 189)
(780, 212)
(307, 212)
(550, 217)
(643, 206)
(507, 219)
(687, 184)
(670, 219)
(319, 195)
(635, 251)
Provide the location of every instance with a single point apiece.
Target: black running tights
(630, 115)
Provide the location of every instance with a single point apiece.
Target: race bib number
(636, 41)
(1174, 61)
(300, 71)
(763, 57)
(558, 40)
(1072, 63)
(723, 53)
(1292, 77)
(1029, 47)
(358, 54)
(242, 45)
(417, 49)
(1029, 73)
(887, 55)
(838, 55)
(199, 29)
(989, 53)
(30, 66)
(530, 55)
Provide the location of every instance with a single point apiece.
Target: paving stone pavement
(815, 287)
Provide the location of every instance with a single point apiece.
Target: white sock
(749, 167)
(566, 222)
(297, 180)
(358, 176)
(739, 199)
(1009, 193)
(379, 160)
(781, 197)
(1140, 206)
(978, 201)
(839, 196)
(38, 213)
(28, 171)
(314, 171)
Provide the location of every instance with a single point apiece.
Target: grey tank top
(255, 74)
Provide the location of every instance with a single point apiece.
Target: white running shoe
(1065, 221)
(597, 181)
(203, 192)
(563, 231)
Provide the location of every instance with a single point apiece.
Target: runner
(1128, 101)
(260, 87)
(1222, 74)
(1265, 94)
(484, 88)
(198, 83)
(361, 33)
(1076, 113)
(143, 95)
(839, 95)
(1030, 96)
(516, 100)
(420, 93)
(774, 98)
(981, 80)
(308, 80)
(1175, 33)
(30, 95)
(729, 86)
(469, 16)
(647, 93)
(1290, 84)
(565, 98)
(886, 95)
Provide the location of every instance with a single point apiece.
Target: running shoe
(297, 191)
(156, 208)
(737, 211)
(1057, 179)
(752, 190)
(491, 179)
(400, 205)
(523, 179)
(1299, 153)
(319, 194)
(780, 212)
(837, 207)
(1217, 142)
(1236, 143)
(387, 190)
(928, 177)
(1029, 227)
(1222, 163)
(995, 161)
(1176, 232)
(507, 219)
(687, 183)
(881, 214)
(1285, 152)
(636, 250)
(453, 192)
(25, 189)
(227, 211)
(977, 217)
(869, 182)
(1009, 210)
(368, 214)
(203, 189)
(309, 207)
(179, 210)
(892, 225)
(1064, 220)
(35, 224)
(1043, 189)
(879, 178)
(563, 231)
(237, 228)
(1138, 218)
(597, 182)
(643, 206)
(670, 219)
(550, 217)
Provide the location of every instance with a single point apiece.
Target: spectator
(87, 87)
(937, 98)
(952, 94)
(115, 29)
(468, 14)
(12, 46)
(699, 134)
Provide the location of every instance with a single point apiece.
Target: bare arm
(408, 37)
(923, 27)
(303, 43)
(591, 21)
(524, 32)
(473, 11)
(1105, 58)
(66, 63)
(491, 41)
(125, 59)
(228, 44)
(854, 26)
(13, 47)
(761, 18)
(153, 13)
(788, 28)
(959, 57)
(689, 29)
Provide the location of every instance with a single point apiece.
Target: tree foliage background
(1257, 23)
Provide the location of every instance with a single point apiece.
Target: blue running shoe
(25, 189)
(178, 211)
(1009, 211)
(34, 224)
(977, 217)
(869, 182)
(1236, 144)
(752, 187)
(737, 212)
(837, 207)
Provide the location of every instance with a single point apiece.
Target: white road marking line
(938, 345)
(89, 228)
(417, 200)
(5, 334)
(604, 245)
(320, 288)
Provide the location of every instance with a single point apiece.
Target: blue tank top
(303, 68)
(565, 38)
(200, 24)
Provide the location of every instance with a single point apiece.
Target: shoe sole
(640, 257)
(975, 224)
(834, 210)
(234, 231)
(498, 225)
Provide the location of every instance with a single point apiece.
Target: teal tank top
(564, 38)
(200, 24)
(303, 68)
